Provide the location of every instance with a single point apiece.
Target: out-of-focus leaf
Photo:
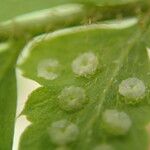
(12, 8)
(8, 92)
(77, 12)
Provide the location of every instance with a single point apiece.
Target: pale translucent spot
(72, 98)
(148, 52)
(85, 64)
(4, 47)
(48, 69)
(103, 147)
(132, 88)
(115, 122)
(63, 132)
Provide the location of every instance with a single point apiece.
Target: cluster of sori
(71, 98)
(74, 98)
(84, 65)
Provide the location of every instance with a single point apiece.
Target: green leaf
(121, 53)
(83, 39)
(77, 13)
(9, 10)
(18, 7)
(7, 109)
(8, 92)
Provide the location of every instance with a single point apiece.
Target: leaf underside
(122, 54)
